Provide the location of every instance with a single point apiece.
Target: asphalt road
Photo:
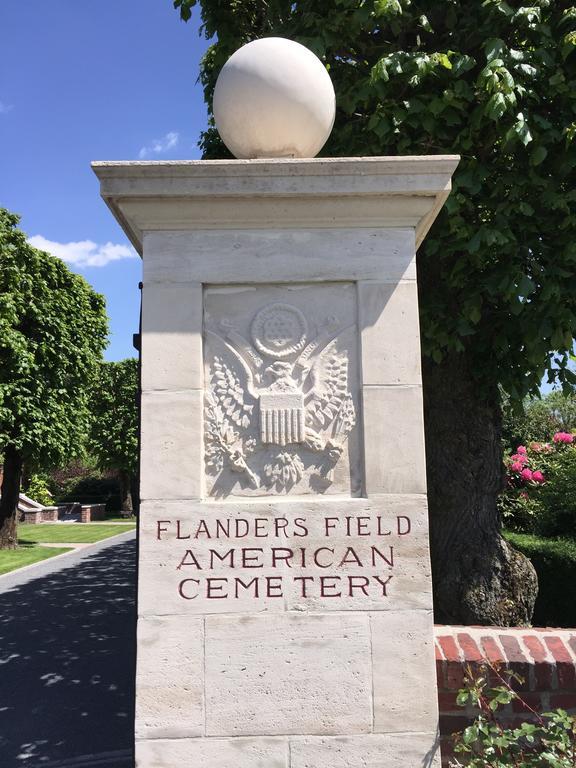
(67, 655)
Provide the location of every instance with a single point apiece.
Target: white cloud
(160, 146)
(4, 108)
(84, 253)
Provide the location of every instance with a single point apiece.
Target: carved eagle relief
(279, 406)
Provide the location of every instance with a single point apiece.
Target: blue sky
(83, 81)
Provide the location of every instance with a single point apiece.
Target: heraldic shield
(282, 418)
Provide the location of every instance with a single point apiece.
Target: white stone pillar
(284, 597)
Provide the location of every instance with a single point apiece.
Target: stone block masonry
(284, 595)
(545, 658)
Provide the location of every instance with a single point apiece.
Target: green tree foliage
(114, 430)
(495, 82)
(53, 329)
(540, 418)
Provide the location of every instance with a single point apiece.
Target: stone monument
(284, 597)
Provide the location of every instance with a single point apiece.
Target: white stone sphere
(274, 98)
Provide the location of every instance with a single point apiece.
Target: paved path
(67, 652)
(58, 563)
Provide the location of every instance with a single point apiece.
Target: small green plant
(546, 740)
(38, 490)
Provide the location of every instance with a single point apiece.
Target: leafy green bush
(557, 497)
(547, 739)
(555, 563)
(38, 490)
(540, 495)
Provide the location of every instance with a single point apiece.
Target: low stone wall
(85, 513)
(32, 517)
(50, 515)
(91, 512)
(544, 658)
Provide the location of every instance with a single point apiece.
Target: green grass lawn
(118, 519)
(71, 533)
(11, 559)
(31, 537)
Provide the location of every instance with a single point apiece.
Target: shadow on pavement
(67, 655)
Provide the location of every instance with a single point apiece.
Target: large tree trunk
(478, 578)
(125, 494)
(9, 500)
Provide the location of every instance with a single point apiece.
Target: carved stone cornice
(253, 194)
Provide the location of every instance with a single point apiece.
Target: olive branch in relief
(224, 444)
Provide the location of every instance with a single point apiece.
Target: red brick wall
(92, 512)
(545, 658)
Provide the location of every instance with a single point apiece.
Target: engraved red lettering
(350, 556)
(223, 529)
(213, 586)
(192, 560)
(202, 530)
(282, 554)
(248, 560)
(325, 585)
(358, 582)
(240, 583)
(300, 525)
(403, 528)
(181, 588)
(329, 524)
(362, 529)
(381, 531)
(242, 527)
(280, 524)
(388, 560)
(322, 549)
(178, 532)
(160, 527)
(383, 584)
(259, 524)
(222, 557)
(273, 586)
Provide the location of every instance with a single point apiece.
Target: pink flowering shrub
(541, 447)
(540, 494)
(523, 467)
(563, 437)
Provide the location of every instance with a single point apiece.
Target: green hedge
(555, 563)
(92, 489)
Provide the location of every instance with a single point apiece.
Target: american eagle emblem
(278, 402)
